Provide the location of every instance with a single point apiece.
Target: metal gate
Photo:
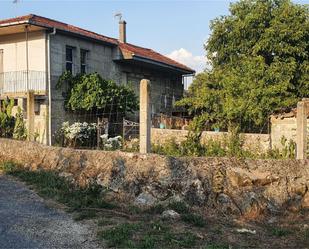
(130, 129)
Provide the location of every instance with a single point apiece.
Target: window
(69, 59)
(83, 61)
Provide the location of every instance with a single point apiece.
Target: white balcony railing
(22, 81)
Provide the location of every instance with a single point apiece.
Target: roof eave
(8, 24)
(162, 64)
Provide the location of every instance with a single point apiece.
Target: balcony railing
(22, 81)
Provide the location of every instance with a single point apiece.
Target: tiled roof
(124, 47)
(150, 54)
(49, 23)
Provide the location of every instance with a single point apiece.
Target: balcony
(19, 82)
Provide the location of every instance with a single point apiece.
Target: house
(35, 51)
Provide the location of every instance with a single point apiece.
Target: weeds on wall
(211, 148)
(193, 146)
(288, 150)
(232, 146)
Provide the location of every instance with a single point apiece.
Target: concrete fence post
(145, 117)
(30, 115)
(301, 129)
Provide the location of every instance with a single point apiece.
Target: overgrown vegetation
(11, 126)
(230, 146)
(7, 121)
(20, 131)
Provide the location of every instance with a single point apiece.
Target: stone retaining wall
(243, 187)
(253, 142)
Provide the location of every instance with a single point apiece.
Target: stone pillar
(30, 115)
(301, 129)
(145, 117)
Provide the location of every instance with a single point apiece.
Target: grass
(85, 215)
(49, 184)
(119, 236)
(179, 206)
(280, 232)
(216, 246)
(194, 219)
(146, 236)
(105, 222)
(156, 209)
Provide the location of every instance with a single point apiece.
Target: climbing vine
(90, 92)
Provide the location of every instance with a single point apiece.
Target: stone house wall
(101, 59)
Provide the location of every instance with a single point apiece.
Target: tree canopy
(259, 64)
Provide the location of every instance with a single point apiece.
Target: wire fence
(114, 127)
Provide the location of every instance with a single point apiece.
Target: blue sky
(174, 28)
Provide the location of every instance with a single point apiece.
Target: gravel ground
(26, 221)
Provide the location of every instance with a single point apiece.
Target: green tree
(259, 64)
(90, 92)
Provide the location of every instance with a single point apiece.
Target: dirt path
(27, 222)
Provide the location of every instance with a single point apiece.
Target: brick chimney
(122, 31)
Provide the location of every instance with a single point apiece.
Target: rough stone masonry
(236, 186)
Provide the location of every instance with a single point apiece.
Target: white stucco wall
(14, 51)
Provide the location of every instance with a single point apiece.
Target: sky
(176, 28)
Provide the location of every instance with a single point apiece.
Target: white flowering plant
(112, 143)
(79, 134)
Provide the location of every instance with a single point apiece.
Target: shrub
(7, 121)
(170, 148)
(78, 134)
(214, 148)
(112, 143)
(20, 131)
